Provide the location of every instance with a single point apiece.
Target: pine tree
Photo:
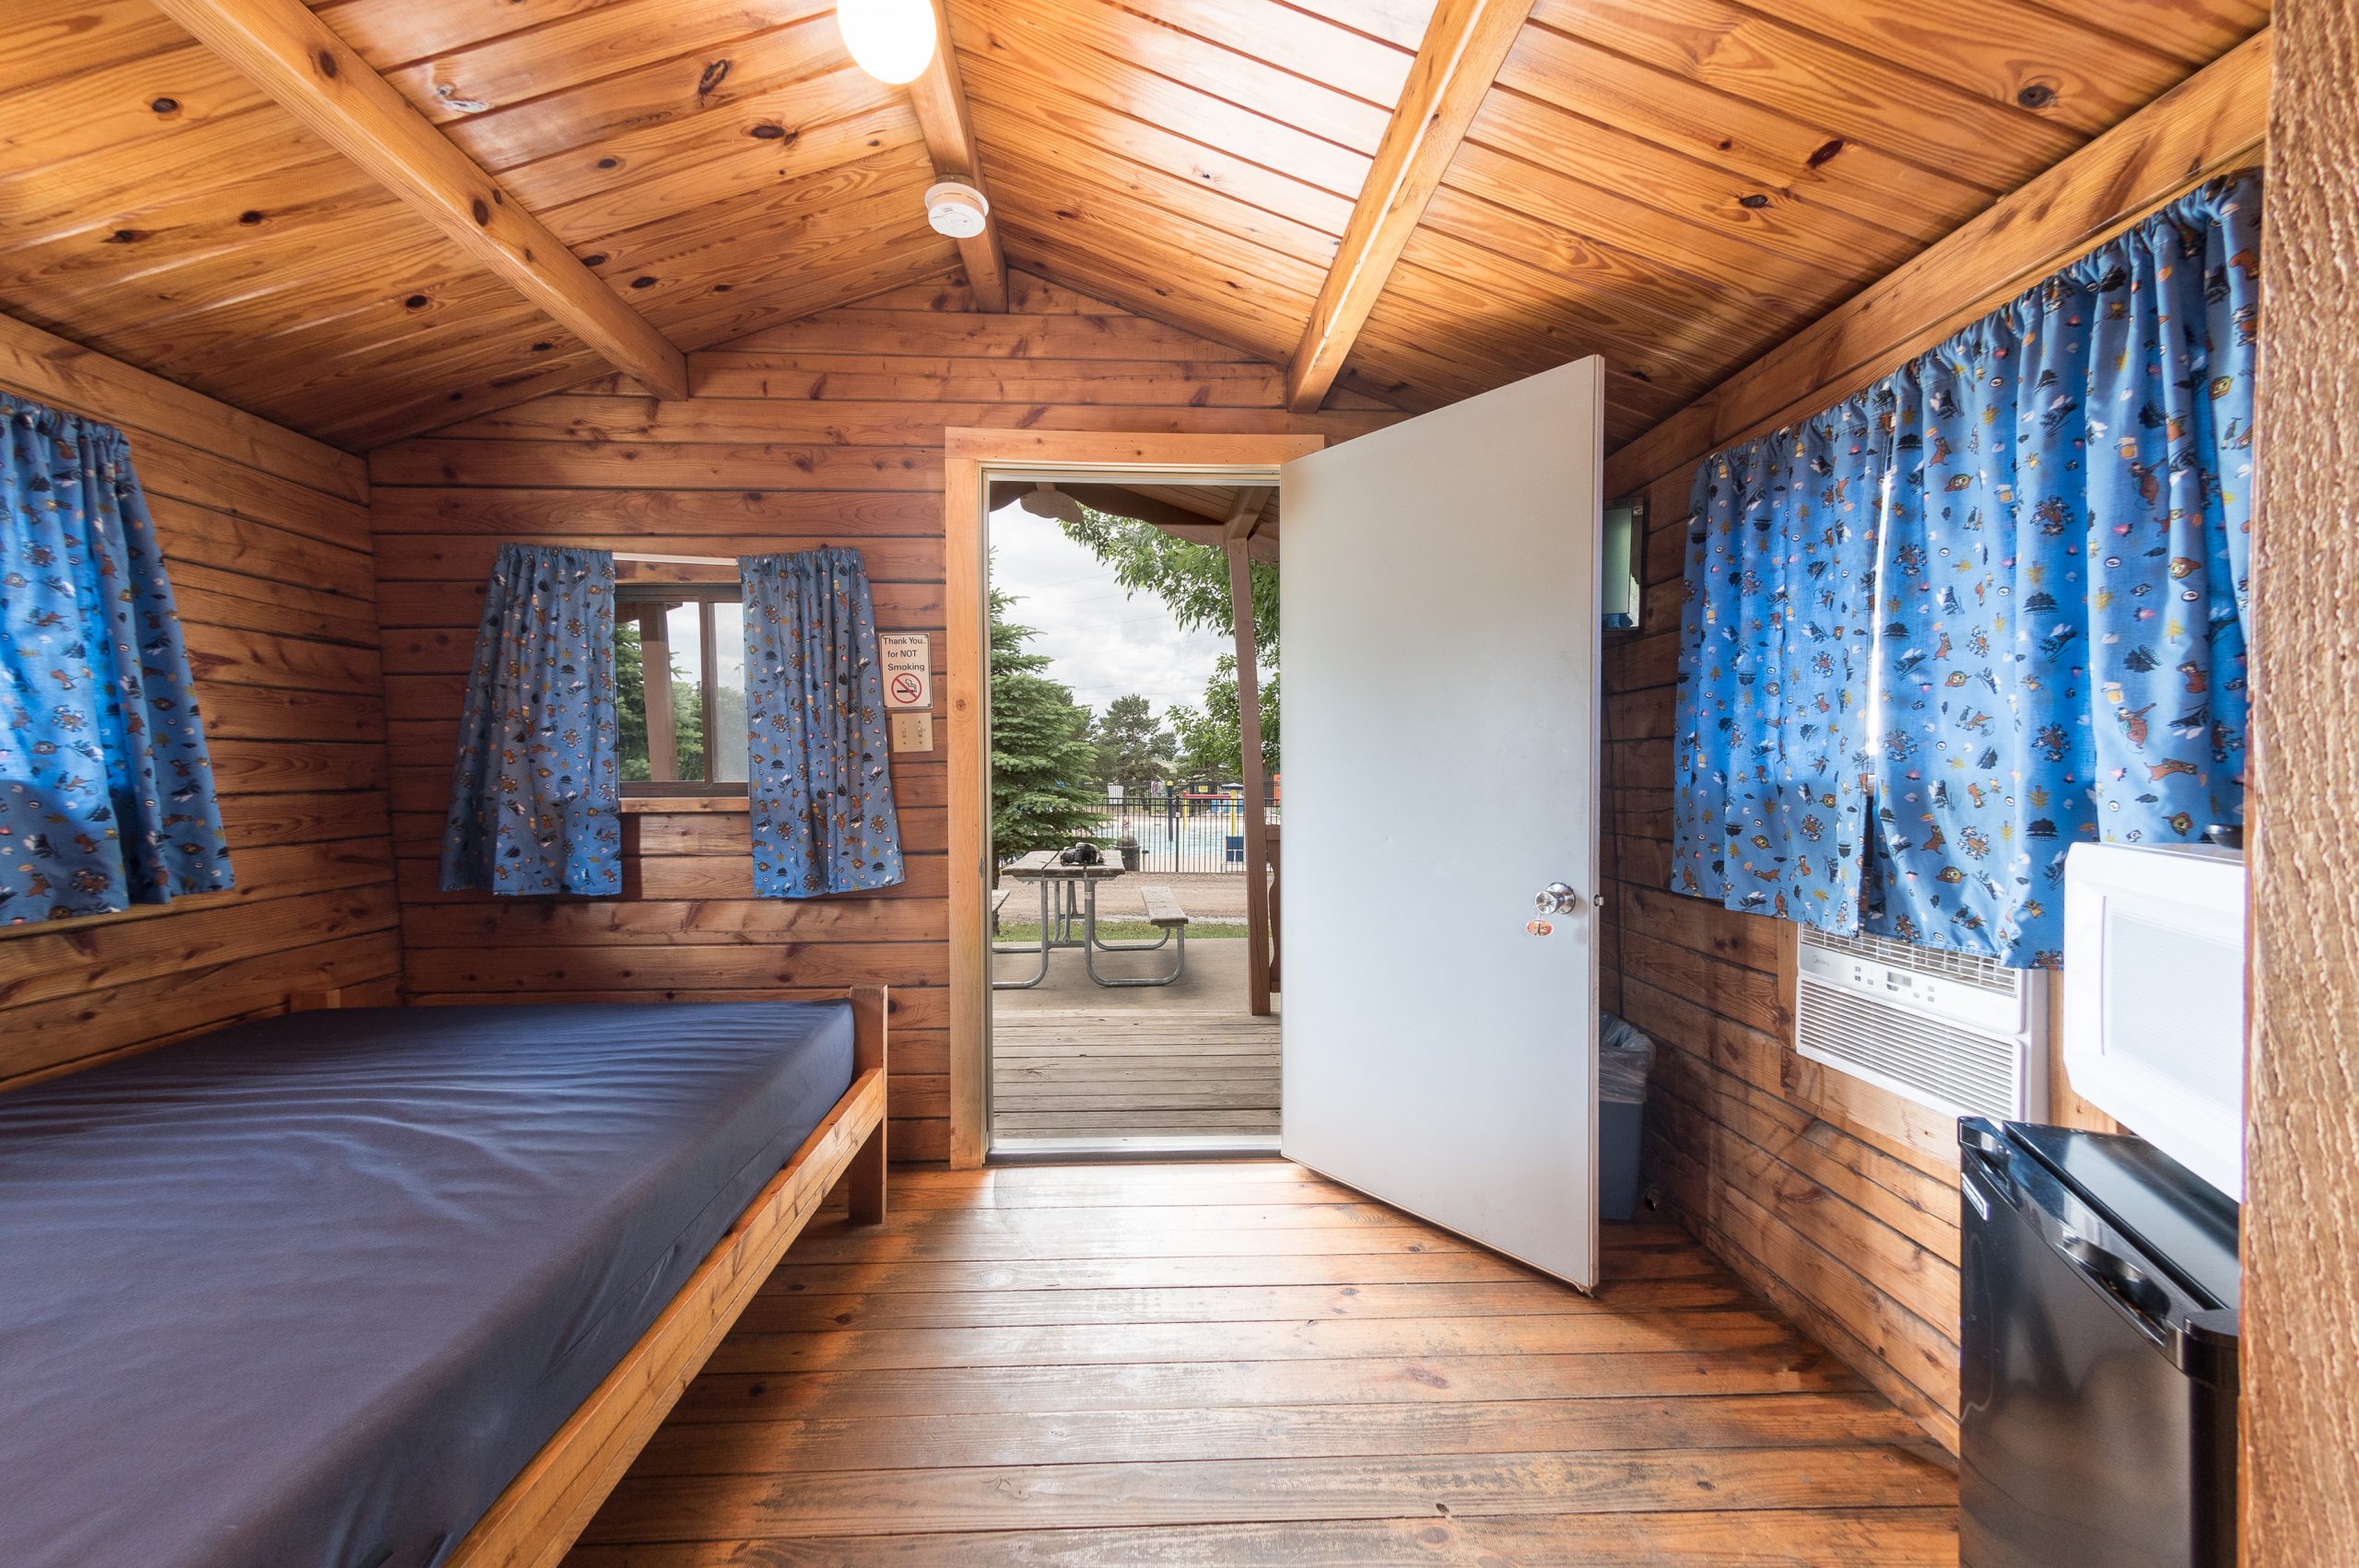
(1041, 757)
(1132, 745)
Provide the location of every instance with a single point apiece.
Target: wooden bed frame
(534, 1523)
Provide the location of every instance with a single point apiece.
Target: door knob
(1556, 900)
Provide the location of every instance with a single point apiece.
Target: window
(684, 735)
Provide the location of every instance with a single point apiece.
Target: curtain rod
(675, 560)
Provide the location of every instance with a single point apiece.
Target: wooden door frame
(969, 457)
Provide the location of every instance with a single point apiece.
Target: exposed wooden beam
(316, 77)
(1116, 500)
(1465, 44)
(1246, 516)
(940, 99)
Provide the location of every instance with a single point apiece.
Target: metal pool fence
(1178, 828)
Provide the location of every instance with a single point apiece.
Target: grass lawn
(1123, 930)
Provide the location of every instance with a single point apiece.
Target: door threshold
(1172, 1146)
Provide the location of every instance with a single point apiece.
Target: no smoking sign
(909, 670)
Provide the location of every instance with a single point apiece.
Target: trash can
(1623, 1055)
(1129, 845)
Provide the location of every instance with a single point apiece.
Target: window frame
(704, 595)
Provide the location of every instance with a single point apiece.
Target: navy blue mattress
(312, 1290)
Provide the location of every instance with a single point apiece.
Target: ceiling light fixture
(893, 41)
(955, 208)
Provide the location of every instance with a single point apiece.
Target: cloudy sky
(1105, 643)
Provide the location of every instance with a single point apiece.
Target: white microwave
(2154, 997)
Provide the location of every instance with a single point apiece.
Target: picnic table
(1069, 918)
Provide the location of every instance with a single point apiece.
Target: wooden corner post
(865, 1175)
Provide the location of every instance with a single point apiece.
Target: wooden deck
(1242, 1364)
(1132, 1072)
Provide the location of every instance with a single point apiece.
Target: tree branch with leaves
(1192, 582)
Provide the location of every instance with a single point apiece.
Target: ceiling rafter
(940, 99)
(1466, 46)
(301, 62)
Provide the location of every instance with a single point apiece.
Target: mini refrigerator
(2098, 1403)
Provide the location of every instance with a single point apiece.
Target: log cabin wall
(823, 431)
(1835, 1198)
(265, 533)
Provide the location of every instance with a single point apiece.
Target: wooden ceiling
(720, 162)
(1676, 184)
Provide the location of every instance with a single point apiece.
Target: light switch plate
(913, 731)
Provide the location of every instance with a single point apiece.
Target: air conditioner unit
(1967, 1035)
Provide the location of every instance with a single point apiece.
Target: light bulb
(891, 40)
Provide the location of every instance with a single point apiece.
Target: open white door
(1440, 629)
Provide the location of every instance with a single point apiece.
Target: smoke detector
(956, 210)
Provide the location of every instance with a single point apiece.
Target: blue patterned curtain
(1768, 807)
(535, 793)
(2058, 606)
(2064, 658)
(817, 765)
(106, 787)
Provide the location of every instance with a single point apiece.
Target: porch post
(1235, 535)
(655, 667)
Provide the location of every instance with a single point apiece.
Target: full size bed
(400, 1286)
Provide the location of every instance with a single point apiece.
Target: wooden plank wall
(824, 431)
(1836, 1199)
(267, 538)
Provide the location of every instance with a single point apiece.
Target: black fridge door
(2085, 1441)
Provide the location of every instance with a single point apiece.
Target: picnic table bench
(1069, 897)
(1162, 909)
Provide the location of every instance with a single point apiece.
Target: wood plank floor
(1242, 1364)
(1138, 1071)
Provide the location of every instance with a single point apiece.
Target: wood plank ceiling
(1676, 184)
(721, 163)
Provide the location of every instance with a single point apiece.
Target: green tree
(630, 711)
(1211, 738)
(1041, 757)
(1192, 582)
(631, 702)
(1192, 579)
(1132, 745)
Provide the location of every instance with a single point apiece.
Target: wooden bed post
(866, 1173)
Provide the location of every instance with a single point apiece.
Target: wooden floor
(1241, 1363)
(1139, 1072)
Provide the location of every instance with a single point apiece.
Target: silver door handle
(1556, 899)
